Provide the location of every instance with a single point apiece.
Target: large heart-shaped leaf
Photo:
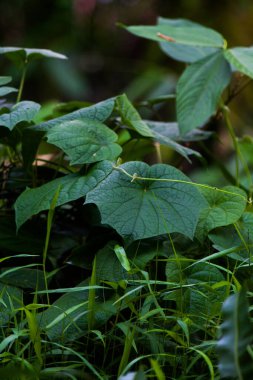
(142, 208)
(71, 187)
(85, 141)
(199, 90)
(236, 334)
(184, 35)
(100, 112)
(131, 117)
(224, 208)
(23, 111)
(242, 59)
(27, 54)
(184, 53)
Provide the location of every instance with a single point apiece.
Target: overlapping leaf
(85, 141)
(242, 59)
(224, 208)
(143, 208)
(27, 54)
(97, 112)
(71, 187)
(23, 111)
(199, 90)
(182, 52)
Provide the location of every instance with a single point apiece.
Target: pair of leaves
(165, 202)
(18, 54)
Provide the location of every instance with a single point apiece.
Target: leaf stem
(22, 81)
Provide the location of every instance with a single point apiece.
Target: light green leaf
(7, 90)
(98, 112)
(121, 255)
(180, 52)
(242, 59)
(85, 141)
(193, 36)
(236, 335)
(23, 54)
(131, 117)
(72, 186)
(5, 80)
(223, 209)
(144, 208)
(23, 111)
(199, 90)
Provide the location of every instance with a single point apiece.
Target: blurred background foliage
(104, 60)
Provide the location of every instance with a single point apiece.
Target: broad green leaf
(25, 54)
(181, 52)
(7, 90)
(223, 209)
(193, 36)
(72, 186)
(131, 117)
(242, 59)
(11, 299)
(138, 209)
(26, 278)
(199, 90)
(85, 141)
(23, 111)
(236, 334)
(98, 112)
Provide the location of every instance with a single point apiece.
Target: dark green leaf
(223, 209)
(72, 186)
(236, 334)
(23, 111)
(199, 90)
(85, 141)
(98, 112)
(143, 208)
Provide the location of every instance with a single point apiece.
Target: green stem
(22, 82)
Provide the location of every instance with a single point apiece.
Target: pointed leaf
(100, 112)
(23, 111)
(199, 90)
(131, 117)
(236, 335)
(5, 80)
(72, 186)
(242, 59)
(85, 141)
(193, 36)
(144, 208)
(23, 54)
(223, 209)
(184, 53)
(7, 90)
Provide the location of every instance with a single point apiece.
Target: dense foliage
(115, 264)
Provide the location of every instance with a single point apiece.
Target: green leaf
(98, 112)
(121, 255)
(72, 186)
(131, 117)
(11, 298)
(199, 90)
(23, 111)
(236, 335)
(184, 53)
(7, 90)
(193, 36)
(85, 141)
(24, 54)
(223, 209)
(242, 59)
(5, 80)
(138, 209)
